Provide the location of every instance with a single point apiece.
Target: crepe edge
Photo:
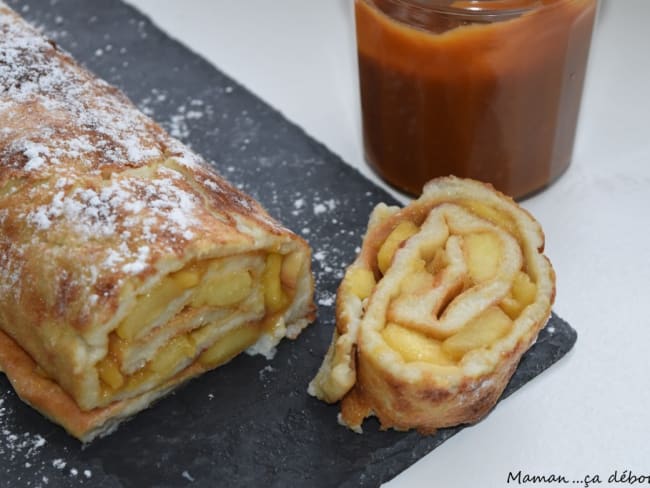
(47, 397)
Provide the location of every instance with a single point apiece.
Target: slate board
(251, 421)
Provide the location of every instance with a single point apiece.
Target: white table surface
(590, 413)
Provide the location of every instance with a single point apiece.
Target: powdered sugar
(35, 153)
(25, 450)
(179, 124)
(31, 72)
(35, 71)
(126, 206)
(135, 151)
(322, 207)
(140, 263)
(266, 373)
(23, 446)
(87, 212)
(327, 299)
(80, 147)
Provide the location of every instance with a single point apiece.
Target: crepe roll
(127, 265)
(435, 313)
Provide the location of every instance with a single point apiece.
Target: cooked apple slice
(110, 373)
(224, 289)
(523, 289)
(414, 346)
(522, 294)
(482, 253)
(274, 298)
(362, 281)
(170, 355)
(149, 307)
(387, 251)
(483, 331)
(228, 346)
(187, 278)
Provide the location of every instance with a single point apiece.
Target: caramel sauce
(496, 101)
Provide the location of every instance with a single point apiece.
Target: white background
(590, 413)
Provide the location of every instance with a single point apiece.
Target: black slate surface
(251, 421)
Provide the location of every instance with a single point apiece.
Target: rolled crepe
(438, 308)
(127, 266)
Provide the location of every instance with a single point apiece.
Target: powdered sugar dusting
(87, 212)
(35, 154)
(265, 372)
(179, 124)
(321, 216)
(25, 445)
(327, 299)
(96, 168)
(325, 206)
(27, 449)
(140, 263)
(33, 70)
(137, 211)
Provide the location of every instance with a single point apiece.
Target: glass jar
(485, 89)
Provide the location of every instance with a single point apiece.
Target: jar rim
(471, 8)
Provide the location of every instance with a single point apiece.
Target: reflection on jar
(485, 89)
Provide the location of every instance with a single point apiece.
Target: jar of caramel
(485, 89)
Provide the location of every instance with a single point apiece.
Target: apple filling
(465, 285)
(208, 312)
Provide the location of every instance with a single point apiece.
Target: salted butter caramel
(487, 89)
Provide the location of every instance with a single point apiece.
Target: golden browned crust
(97, 205)
(370, 378)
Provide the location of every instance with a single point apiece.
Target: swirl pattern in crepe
(438, 308)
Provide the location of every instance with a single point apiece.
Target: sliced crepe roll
(438, 308)
(127, 266)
